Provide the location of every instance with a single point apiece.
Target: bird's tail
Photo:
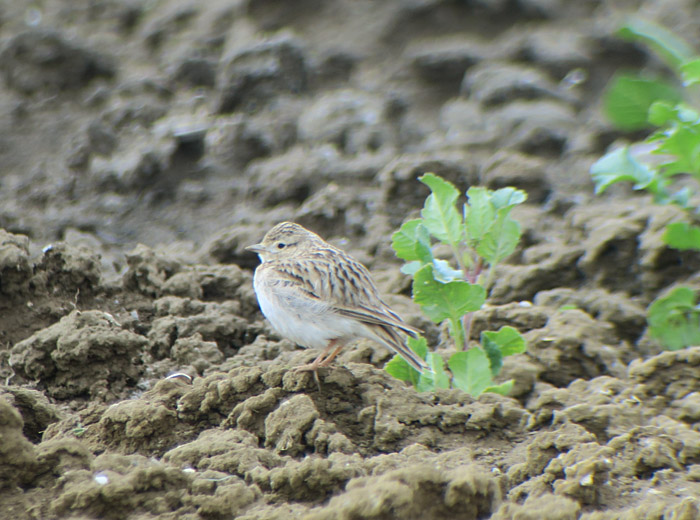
(390, 338)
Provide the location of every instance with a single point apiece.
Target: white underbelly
(304, 321)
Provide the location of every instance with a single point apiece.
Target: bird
(320, 297)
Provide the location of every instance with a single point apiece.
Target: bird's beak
(256, 248)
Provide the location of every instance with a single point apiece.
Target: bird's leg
(329, 359)
(321, 361)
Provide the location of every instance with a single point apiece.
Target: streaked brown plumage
(320, 297)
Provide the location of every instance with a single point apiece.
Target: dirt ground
(143, 145)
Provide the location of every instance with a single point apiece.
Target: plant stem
(471, 277)
(467, 326)
(458, 257)
(489, 278)
(458, 332)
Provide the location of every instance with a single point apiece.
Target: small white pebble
(525, 304)
(587, 480)
(47, 248)
(101, 479)
(180, 375)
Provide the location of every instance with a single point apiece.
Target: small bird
(320, 297)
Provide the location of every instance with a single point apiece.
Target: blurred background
(197, 125)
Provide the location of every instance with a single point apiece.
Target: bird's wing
(346, 286)
(377, 317)
(286, 275)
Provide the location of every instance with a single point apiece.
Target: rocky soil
(143, 145)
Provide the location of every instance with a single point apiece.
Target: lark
(319, 297)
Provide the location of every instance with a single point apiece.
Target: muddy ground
(144, 144)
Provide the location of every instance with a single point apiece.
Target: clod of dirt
(17, 454)
(547, 266)
(214, 283)
(415, 492)
(401, 192)
(15, 268)
(492, 83)
(195, 352)
(195, 71)
(85, 353)
(573, 345)
(148, 271)
(66, 269)
(667, 377)
(445, 60)
(115, 484)
(256, 74)
(559, 50)
(628, 317)
(239, 139)
(285, 426)
(539, 127)
(42, 61)
(465, 123)
(549, 507)
(37, 412)
(183, 318)
(353, 120)
(520, 171)
(290, 177)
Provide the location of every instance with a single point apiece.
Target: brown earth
(144, 144)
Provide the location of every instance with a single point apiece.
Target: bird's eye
(281, 245)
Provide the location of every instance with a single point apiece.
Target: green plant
(477, 238)
(674, 319)
(657, 164)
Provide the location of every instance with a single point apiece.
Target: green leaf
(479, 214)
(437, 379)
(509, 339)
(411, 267)
(682, 236)
(670, 47)
(443, 272)
(412, 242)
(440, 215)
(661, 113)
(568, 307)
(682, 143)
(507, 197)
(419, 345)
(441, 301)
(497, 345)
(398, 367)
(627, 100)
(674, 319)
(503, 388)
(471, 371)
(619, 166)
(493, 352)
(501, 240)
(690, 72)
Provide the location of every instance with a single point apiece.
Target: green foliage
(654, 165)
(674, 319)
(479, 236)
(472, 370)
(672, 49)
(628, 98)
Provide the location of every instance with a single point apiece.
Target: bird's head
(285, 240)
